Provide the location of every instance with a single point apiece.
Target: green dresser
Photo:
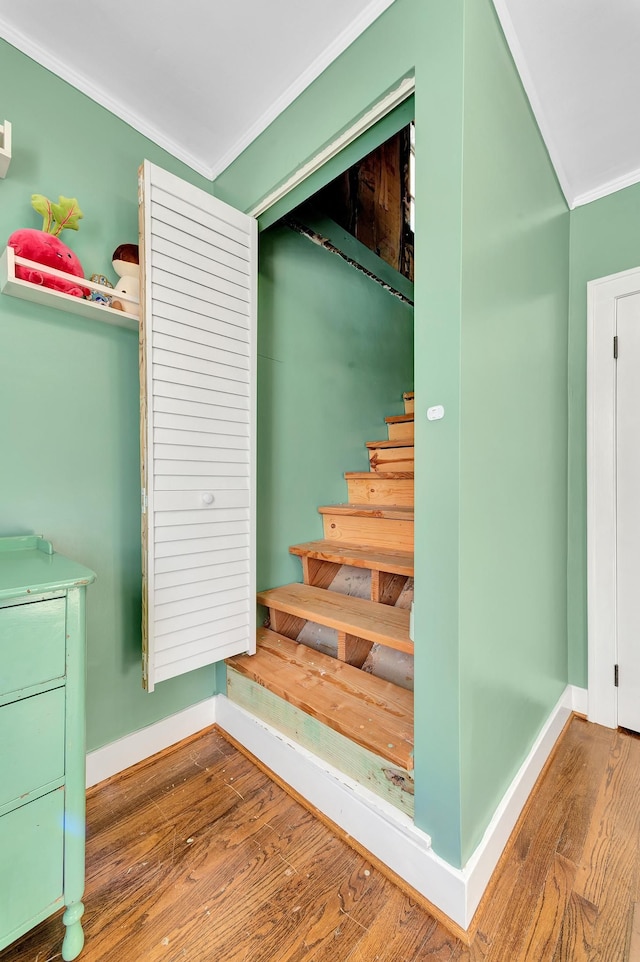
(42, 740)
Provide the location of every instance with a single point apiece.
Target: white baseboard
(116, 756)
(383, 830)
(579, 699)
(482, 863)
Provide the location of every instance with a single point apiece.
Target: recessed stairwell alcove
(334, 663)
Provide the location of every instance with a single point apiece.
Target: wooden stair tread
(378, 475)
(395, 512)
(397, 443)
(380, 624)
(377, 559)
(399, 418)
(370, 711)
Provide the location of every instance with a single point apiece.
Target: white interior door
(628, 509)
(198, 384)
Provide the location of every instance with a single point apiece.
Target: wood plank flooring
(196, 855)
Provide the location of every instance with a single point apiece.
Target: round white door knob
(207, 498)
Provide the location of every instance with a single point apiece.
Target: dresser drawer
(31, 842)
(31, 744)
(32, 644)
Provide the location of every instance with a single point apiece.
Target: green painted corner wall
(69, 387)
(335, 353)
(491, 300)
(605, 239)
(513, 440)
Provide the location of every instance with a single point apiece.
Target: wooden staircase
(361, 723)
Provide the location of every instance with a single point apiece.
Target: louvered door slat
(201, 327)
(235, 287)
(167, 227)
(193, 259)
(198, 325)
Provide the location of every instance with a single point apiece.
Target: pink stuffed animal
(44, 248)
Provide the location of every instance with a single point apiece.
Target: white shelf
(10, 284)
(5, 148)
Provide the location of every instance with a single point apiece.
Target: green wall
(335, 353)
(513, 440)
(605, 239)
(69, 434)
(490, 345)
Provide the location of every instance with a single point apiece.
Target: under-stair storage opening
(333, 667)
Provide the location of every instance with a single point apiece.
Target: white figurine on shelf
(125, 264)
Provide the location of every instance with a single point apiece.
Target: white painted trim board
(384, 106)
(125, 752)
(602, 295)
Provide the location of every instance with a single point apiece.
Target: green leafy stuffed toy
(56, 217)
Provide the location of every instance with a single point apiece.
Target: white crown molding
(536, 104)
(619, 183)
(313, 71)
(116, 756)
(46, 59)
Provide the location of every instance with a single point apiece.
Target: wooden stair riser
(380, 490)
(386, 588)
(400, 431)
(408, 403)
(353, 650)
(285, 624)
(376, 532)
(391, 459)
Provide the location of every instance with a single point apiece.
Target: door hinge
(615, 347)
(143, 500)
(615, 675)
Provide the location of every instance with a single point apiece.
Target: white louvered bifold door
(197, 381)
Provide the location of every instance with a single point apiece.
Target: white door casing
(628, 509)
(609, 300)
(198, 386)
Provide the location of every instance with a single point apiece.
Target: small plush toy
(125, 264)
(45, 247)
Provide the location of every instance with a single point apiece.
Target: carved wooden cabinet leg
(74, 936)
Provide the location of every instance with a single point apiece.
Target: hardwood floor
(197, 855)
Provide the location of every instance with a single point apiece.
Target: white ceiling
(580, 64)
(203, 79)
